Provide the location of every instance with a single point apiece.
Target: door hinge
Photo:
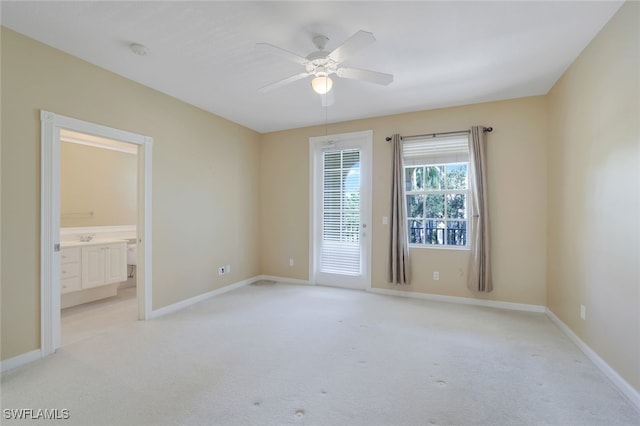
(56, 247)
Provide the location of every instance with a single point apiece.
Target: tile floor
(91, 319)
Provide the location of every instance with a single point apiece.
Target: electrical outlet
(221, 271)
(227, 269)
(436, 276)
(583, 312)
(291, 261)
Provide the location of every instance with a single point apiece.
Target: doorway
(341, 210)
(98, 203)
(51, 127)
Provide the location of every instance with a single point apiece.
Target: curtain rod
(433, 135)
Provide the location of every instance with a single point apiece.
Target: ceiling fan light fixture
(322, 84)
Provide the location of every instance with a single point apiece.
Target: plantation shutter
(435, 150)
(340, 245)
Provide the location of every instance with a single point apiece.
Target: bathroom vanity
(91, 270)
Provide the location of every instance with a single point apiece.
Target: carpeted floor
(275, 354)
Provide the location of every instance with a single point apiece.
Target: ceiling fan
(322, 64)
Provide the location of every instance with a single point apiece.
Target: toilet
(132, 253)
(132, 261)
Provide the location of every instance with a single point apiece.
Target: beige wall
(205, 180)
(97, 180)
(518, 192)
(594, 194)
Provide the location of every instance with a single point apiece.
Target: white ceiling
(441, 53)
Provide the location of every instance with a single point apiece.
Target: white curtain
(480, 242)
(399, 268)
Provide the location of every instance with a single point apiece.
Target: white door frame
(51, 124)
(316, 143)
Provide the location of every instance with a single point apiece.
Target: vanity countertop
(77, 243)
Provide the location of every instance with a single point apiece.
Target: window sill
(429, 247)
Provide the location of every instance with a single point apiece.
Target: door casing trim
(51, 124)
(366, 177)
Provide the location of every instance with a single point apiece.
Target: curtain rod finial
(388, 139)
(488, 129)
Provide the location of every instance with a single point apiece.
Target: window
(436, 188)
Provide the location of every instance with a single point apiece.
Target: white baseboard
(188, 302)
(20, 360)
(625, 388)
(284, 280)
(461, 300)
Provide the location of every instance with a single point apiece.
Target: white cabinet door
(93, 266)
(104, 264)
(115, 263)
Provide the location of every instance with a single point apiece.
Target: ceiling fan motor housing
(320, 64)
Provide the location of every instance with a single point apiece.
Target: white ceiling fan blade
(283, 53)
(283, 82)
(327, 99)
(352, 45)
(366, 75)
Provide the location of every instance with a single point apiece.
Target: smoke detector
(139, 49)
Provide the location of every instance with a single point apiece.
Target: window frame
(425, 192)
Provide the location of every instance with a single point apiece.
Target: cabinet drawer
(68, 285)
(70, 255)
(69, 270)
